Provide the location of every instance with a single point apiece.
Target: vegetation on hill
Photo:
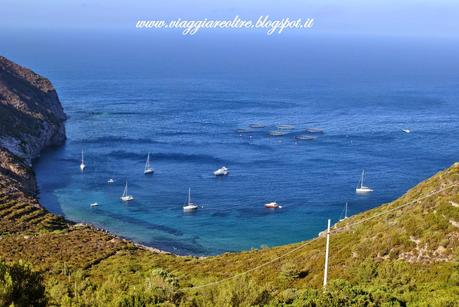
(407, 256)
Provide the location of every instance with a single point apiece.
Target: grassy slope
(412, 249)
(414, 252)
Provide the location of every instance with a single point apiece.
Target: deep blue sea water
(121, 106)
(189, 127)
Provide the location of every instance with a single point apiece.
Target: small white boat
(361, 188)
(110, 180)
(345, 214)
(223, 171)
(406, 130)
(273, 205)
(148, 169)
(82, 165)
(94, 205)
(126, 196)
(190, 206)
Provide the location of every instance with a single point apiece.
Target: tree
(21, 286)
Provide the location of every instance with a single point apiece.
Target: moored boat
(223, 171)
(273, 205)
(126, 196)
(345, 214)
(361, 188)
(82, 165)
(148, 168)
(190, 206)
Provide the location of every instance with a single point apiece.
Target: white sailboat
(361, 188)
(82, 165)
(190, 206)
(148, 168)
(126, 196)
(345, 214)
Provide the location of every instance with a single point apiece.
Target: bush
(290, 271)
(20, 286)
(342, 293)
(239, 292)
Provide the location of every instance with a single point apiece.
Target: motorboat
(406, 130)
(189, 205)
(223, 171)
(94, 205)
(361, 188)
(273, 205)
(110, 180)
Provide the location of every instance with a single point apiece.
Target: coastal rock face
(31, 115)
(15, 173)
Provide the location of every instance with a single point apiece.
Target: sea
(190, 102)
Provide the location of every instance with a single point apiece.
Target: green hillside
(402, 253)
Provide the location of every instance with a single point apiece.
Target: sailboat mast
(147, 164)
(82, 157)
(189, 195)
(361, 180)
(345, 212)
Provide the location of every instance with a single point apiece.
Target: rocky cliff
(31, 115)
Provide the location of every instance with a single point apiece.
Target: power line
(255, 268)
(347, 226)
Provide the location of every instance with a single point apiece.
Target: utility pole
(326, 255)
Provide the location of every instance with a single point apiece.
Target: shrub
(21, 286)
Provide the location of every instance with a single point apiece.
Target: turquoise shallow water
(189, 127)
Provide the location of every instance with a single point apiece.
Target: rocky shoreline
(32, 119)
